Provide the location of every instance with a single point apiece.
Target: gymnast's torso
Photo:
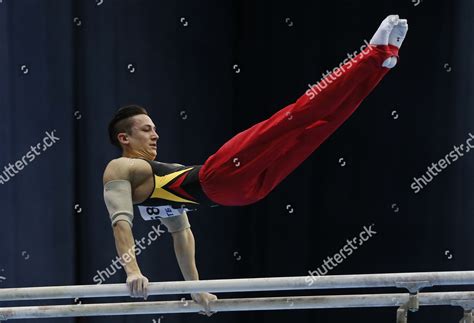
(163, 189)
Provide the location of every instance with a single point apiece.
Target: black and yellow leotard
(176, 189)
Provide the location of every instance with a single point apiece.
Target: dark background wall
(65, 66)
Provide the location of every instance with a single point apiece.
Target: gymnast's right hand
(137, 285)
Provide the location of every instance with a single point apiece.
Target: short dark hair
(121, 122)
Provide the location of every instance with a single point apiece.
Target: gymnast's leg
(247, 167)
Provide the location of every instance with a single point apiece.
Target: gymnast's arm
(118, 199)
(184, 248)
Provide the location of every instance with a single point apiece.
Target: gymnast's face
(141, 142)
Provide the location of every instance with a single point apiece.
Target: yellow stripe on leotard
(162, 193)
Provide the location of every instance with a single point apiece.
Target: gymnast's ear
(122, 138)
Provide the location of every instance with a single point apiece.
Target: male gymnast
(244, 170)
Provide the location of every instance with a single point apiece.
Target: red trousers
(248, 166)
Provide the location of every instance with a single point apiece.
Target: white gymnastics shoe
(397, 36)
(382, 34)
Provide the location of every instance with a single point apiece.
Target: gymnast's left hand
(204, 299)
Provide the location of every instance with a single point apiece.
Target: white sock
(398, 33)
(390, 62)
(382, 34)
